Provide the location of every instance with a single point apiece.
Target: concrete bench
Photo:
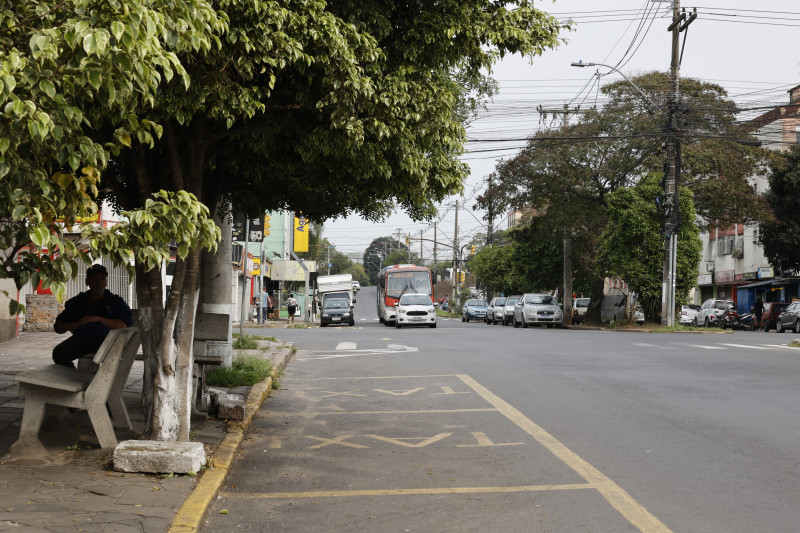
(68, 387)
(212, 346)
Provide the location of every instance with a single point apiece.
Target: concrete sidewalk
(77, 491)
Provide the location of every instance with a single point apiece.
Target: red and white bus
(396, 280)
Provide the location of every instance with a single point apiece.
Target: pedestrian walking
(758, 310)
(291, 305)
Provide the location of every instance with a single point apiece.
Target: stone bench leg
(28, 444)
(101, 423)
(119, 413)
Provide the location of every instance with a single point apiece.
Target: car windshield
(582, 302)
(336, 303)
(476, 303)
(500, 301)
(511, 300)
(415, 299)
(544, 299)
(723, 304)
(692, 306)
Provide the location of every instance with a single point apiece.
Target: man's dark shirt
(759, 308)
(80, 306)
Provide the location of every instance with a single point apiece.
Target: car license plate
(416, 318)
(336, 319)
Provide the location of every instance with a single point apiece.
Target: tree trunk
(596, 302)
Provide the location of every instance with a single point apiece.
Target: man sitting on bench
(89, 316)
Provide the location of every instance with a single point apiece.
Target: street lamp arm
(647, 99)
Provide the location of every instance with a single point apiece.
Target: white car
(533, 308)
(711, 310)
(579, 307)
(687, 313)
(415, 310)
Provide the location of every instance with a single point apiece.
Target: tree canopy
(780, 235)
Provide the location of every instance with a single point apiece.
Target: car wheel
(524, 324)
(516, 324)
(549, 326)
(766, 327)
(433, 325)
(323, 325)
(381, 320)
(352, 322)
(797, 327)
(397, 325)
(463, 319)
(707, 323)
(779, 326)
(694, 322)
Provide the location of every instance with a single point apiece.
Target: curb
(193, 511)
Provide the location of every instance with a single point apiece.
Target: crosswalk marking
(706, 347)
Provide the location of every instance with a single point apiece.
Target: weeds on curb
(246, 342)
(246, 371)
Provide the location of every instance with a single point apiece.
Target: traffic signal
(266, 225)
(408, 240)
(472, 250)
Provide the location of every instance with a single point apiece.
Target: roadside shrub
(247, 370)
(246, 342)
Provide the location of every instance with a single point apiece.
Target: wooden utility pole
(455, 256)
(567, 298)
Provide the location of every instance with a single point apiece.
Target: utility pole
(434, 253)
(490, 214)
(420, 248)
(329, 259)
(672, 179)
(455, 257)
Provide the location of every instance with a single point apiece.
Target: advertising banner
(290, 270)
(301, 234)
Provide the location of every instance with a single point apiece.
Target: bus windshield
(399, 283)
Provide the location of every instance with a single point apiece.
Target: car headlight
(401, 309)
(325, 315)
(431, 309)
(346, 314)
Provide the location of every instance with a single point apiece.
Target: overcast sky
(752, 49)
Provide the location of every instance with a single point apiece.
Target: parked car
(789, 319)
(711, 310)
(508, 309)
(772, 310)
(336, 311)
(494, 311)
(535, 308)
(687, 313)
(474, 309)
(415, 310)
(579, 307)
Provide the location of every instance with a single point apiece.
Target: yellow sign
(301, 234)
(256, 266)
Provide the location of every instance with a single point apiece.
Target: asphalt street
(470, 427)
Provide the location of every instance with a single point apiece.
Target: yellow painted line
(400, 492)
(191, 513)
(637, 515)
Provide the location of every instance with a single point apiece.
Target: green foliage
(246, 342)
(780, 235)
(632, 244)
(246, 371)
(358, 273)
(401, 256)
(375, 253)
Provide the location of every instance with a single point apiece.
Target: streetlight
(670, 204)
(649, 102)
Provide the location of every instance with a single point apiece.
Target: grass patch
(246, 342)
(247, 370)
(447, 314)
(795, 343)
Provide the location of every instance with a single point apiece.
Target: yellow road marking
(401, 392)
(402, 441)
(340, 440)
(448, 390)
(484, 441)
(401, 492)
(637, 515)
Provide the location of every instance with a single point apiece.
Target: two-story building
(733, 265)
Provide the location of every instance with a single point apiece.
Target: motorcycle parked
(732, 319)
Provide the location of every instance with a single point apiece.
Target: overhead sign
(255, 227)
(704, 279)
(290, 270)
(301, 234)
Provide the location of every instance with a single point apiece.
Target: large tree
(291, 104)
(780, 235)
(566, 175)
(632, 244)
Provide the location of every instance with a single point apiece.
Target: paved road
(471, 427)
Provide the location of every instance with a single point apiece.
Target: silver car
(495, 310)
(508, 309)
(538, 308)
